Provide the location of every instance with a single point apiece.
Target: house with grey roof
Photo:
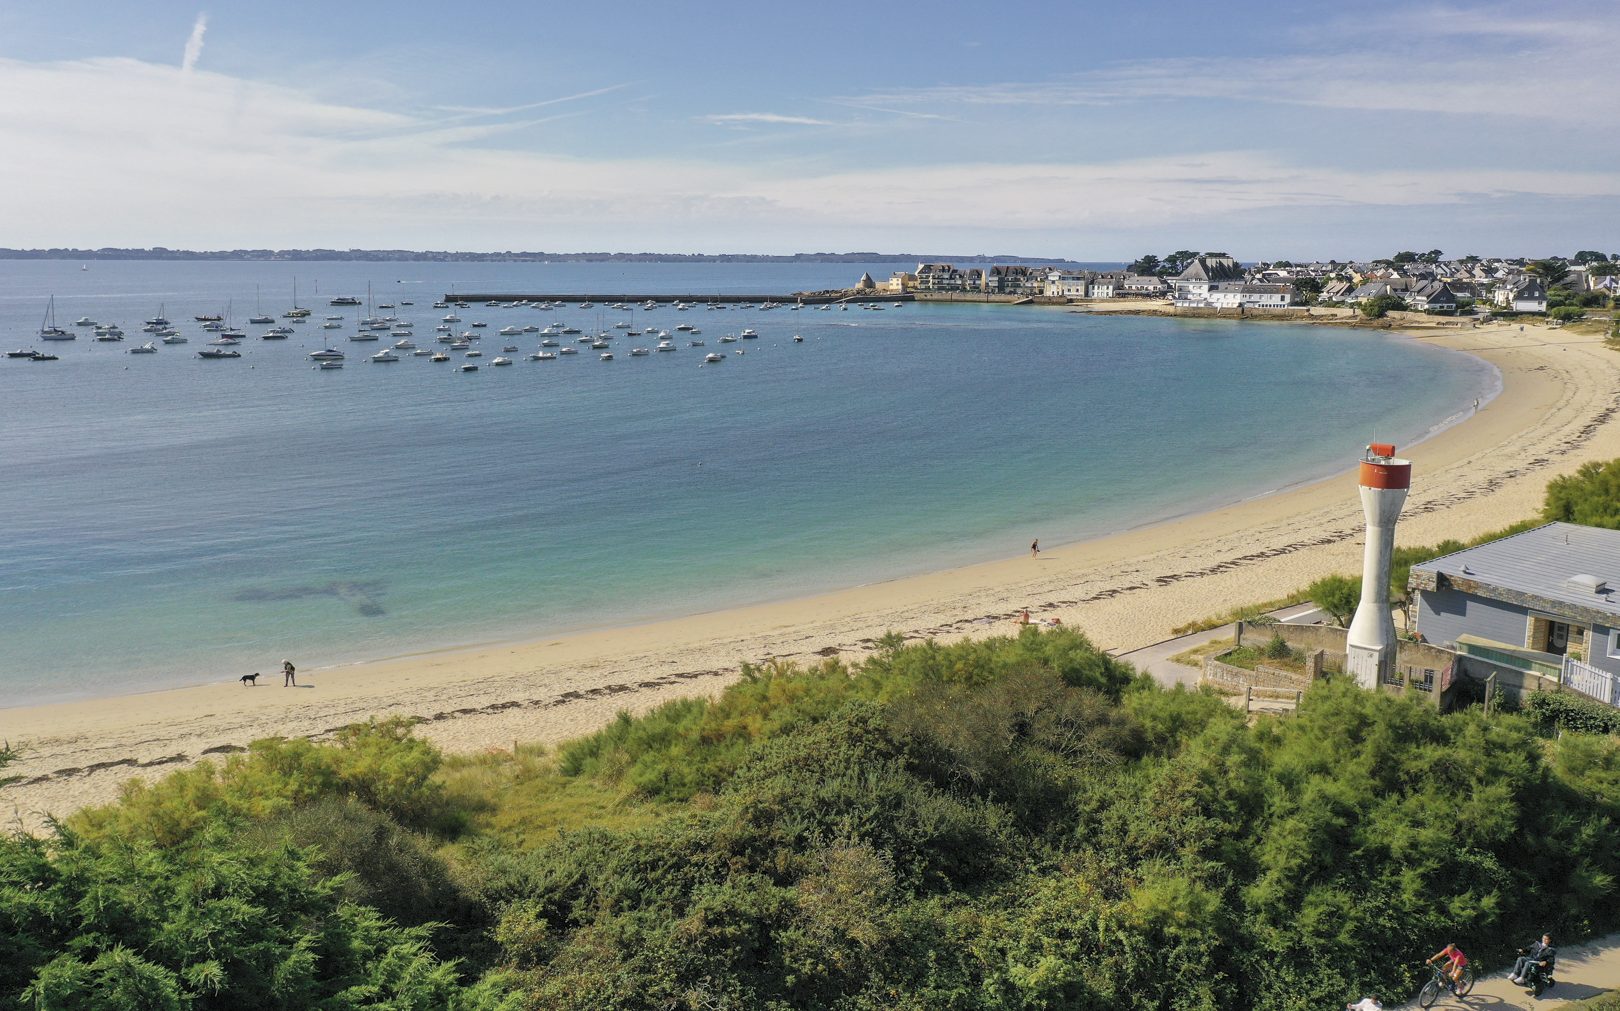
(1523, 293)
(1545, 602)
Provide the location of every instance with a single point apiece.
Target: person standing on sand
(1035, 548)
(288, 674)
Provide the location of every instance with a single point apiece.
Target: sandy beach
(1557, 410)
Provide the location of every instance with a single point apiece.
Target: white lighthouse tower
(1371, 641)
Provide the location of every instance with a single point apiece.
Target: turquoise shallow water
(170, 520)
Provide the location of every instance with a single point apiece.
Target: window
(1614, 643)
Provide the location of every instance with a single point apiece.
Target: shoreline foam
(1556, 409)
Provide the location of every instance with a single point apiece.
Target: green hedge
(1568, 711)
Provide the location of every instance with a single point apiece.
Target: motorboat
(344, 300)
(209, 319)
(666, 346)
(606, 356)
(440, 305)
(450, 317)
(330, 319)
(224, 341)
(85, 321)
(639, 352)
(385, 355)
(548, 343)
(233, 333)
(711, 358)
(510, 331)
(159, 320)
(570, 329)
(145, 349)
(598, 345)
(568, 351)
(261, 319)
(439, 357)
(40, 356)
(327, 355)
(728, 339)
(694, 344)
(272, 335)
(404, 345)
(797, 339)
(684, 326)
(331, 325)
(500, 361)
(364, 335)
(442, 328)
(460, 345)
(218, 353)
(407, 303)
(22, 353)
(473, 354)
(543, 356)
(481, 324)
(329, 365)
(509, 348)
(749, 335)
(421, 352)
(214, 326)
(283, 331)
(385, 305)
(175, 338)
(469, 368)
(105, 335)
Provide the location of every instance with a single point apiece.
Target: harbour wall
(808, 298)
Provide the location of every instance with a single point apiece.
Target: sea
(167, 520)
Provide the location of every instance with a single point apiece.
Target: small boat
(469, 368)
(638, 352)
(666, 346)
(509, 348)
(473, 354)
(404, 345)
(218, 353)
(543, 356)
(798, 339)
(327, 355)
(748, 335)
(548, 343)
(40, 356)
(500, 361)
(261, 318)
(439, 357)
(22, 353)
(175, 338)
(85, 321)
(385, 355)
(145, 349)
(328, 365)
(344, 300)
(568, 351)
(606, 356)
(480, 326)
(694, 344)
(209, 319)
(510, 331)
(159, 320)
(272, 335)
(224, 341)
(407, 303)
(711, 358)
(684, 326)
(385, 305)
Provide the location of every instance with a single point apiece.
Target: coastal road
(1155, 659)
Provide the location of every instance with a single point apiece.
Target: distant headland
(508, 256)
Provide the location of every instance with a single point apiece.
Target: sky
(1067, 128)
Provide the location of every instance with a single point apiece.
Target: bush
(1568, 711)
(1278, 648)
(1565, 313)
(1380, 306)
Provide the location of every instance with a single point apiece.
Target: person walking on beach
(1035, 548)
(288, 674)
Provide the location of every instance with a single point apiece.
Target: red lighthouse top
(1380, 468)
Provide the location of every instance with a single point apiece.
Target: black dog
(250, 679)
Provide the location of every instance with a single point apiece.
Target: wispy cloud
(769, 118)
(194, 43)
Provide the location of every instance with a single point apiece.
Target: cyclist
(1455, 960)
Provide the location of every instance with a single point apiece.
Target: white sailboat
(297, 311)
(258, 310)
(48, 330)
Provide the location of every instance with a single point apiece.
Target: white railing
(1588, 680)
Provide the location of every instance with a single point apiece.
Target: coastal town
(1408, 281)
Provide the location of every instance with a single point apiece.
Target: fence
(1588, 680)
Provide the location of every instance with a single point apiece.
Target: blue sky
(1088, 130)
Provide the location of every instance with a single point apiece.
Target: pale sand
(1561, 395)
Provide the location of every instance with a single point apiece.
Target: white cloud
(194, 44)
(745, 118)
(207, 160)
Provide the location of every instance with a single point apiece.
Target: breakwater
(808, 298)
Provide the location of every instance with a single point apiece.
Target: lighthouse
(1370, 644)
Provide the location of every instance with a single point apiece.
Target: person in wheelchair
(1534, 968)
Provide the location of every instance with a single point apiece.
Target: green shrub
(1568, 711)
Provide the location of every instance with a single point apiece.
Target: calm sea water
(169, 520)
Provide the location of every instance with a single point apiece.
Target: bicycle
(1440, 981)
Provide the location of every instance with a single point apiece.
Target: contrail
(195, 43)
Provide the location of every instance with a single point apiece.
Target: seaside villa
(1545, 602)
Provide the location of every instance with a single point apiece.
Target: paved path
(1583, 972)
(1155, 659)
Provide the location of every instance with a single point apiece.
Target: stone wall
(1226, 676)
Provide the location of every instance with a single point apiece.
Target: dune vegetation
(1014, 823)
